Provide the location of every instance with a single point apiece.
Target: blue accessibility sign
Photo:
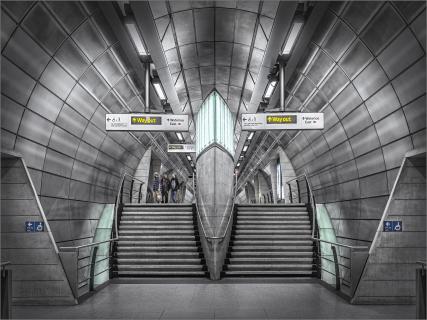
(392, 226)
(34, 226)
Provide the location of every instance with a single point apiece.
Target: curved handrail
(209, 238)
(340, 244)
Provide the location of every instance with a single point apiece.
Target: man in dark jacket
(174, 188)
(156, 188)
(165, 183)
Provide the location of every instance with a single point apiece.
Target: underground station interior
(213, 159)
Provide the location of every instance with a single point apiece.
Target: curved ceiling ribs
(214, 45)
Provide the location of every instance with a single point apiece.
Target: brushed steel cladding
(367, 62)
(62, 67)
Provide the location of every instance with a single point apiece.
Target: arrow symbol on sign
(108, 119)
(244, 119)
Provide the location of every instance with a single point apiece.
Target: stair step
(156, 255)
(272, 218)
(279, 248)
(271, 260)
(156, 232)
(157, 228)
(157, 213)
(158, 238)
(256, 227)
(158, 261)
(269, 266)
(271, 242)
(242, 232)
(271, 237)
(160, 273)
(271, 254)
(140, 217)
(162, 243)
(158, 248)
(156, 223)
(269, 213)
(272, 222)
(270, 272)
(159, 267)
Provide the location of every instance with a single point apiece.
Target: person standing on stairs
(174, 188)
(156, 188)
(165, 186)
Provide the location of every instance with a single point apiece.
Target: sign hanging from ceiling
(181, 148)
(146, 122)
(282, 121)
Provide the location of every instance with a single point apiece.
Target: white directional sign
(181, 148)
(282, 121)
(146, 122)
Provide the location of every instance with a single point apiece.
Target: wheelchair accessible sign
(34, 226)
(392, 226)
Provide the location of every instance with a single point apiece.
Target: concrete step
(236, 273)
(256, 227)
(157, 213)
(157, 255)
(157, 248)
(160, 273)
(273, 243)
(271, 237)
(278, 232)
(271, 260)
(272, 218)
(269, 266)
(140, 217)
(278, 248)
(136, 222)
(158, 261)
(158, 243)
(171, 232)
(156, 228)
(157, 238)
(241, 222)
(271, 254)
(271, 213)
(160, 267)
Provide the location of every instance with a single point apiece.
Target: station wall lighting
(238, 164)
(159, 88)
(297, 25)
(241, 157)
(245, 148)
(179, 136)
(135, 36)
(189, 158)
(251, 135)
(270, 88)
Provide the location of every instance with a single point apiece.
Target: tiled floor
(215, 300)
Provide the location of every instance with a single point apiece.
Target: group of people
(162, 186)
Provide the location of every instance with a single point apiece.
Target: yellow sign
(281, 119)
(146, 120)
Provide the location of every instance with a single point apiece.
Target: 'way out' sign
(181, 148)
(146, 122)
(282, 121)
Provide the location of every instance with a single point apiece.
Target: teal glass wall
(214, 124)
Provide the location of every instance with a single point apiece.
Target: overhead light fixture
(241, 157)
(270, 88)
(293, 35)
(251, 135)
(135, 36)
(189, 158)
(167, 107)
(238, 164)
(179, 136)
(245, 148)
(192, 164)
(159, 88)
(262, 106)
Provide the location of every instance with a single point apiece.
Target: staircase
(159, 241)
(270, 240)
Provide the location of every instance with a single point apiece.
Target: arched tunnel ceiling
(365, 69)
(214, 44)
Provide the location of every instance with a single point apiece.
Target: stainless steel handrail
(340, 244)
(209, 238)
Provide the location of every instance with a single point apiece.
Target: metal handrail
(340, 244)
(209, 238)
(4, 264)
